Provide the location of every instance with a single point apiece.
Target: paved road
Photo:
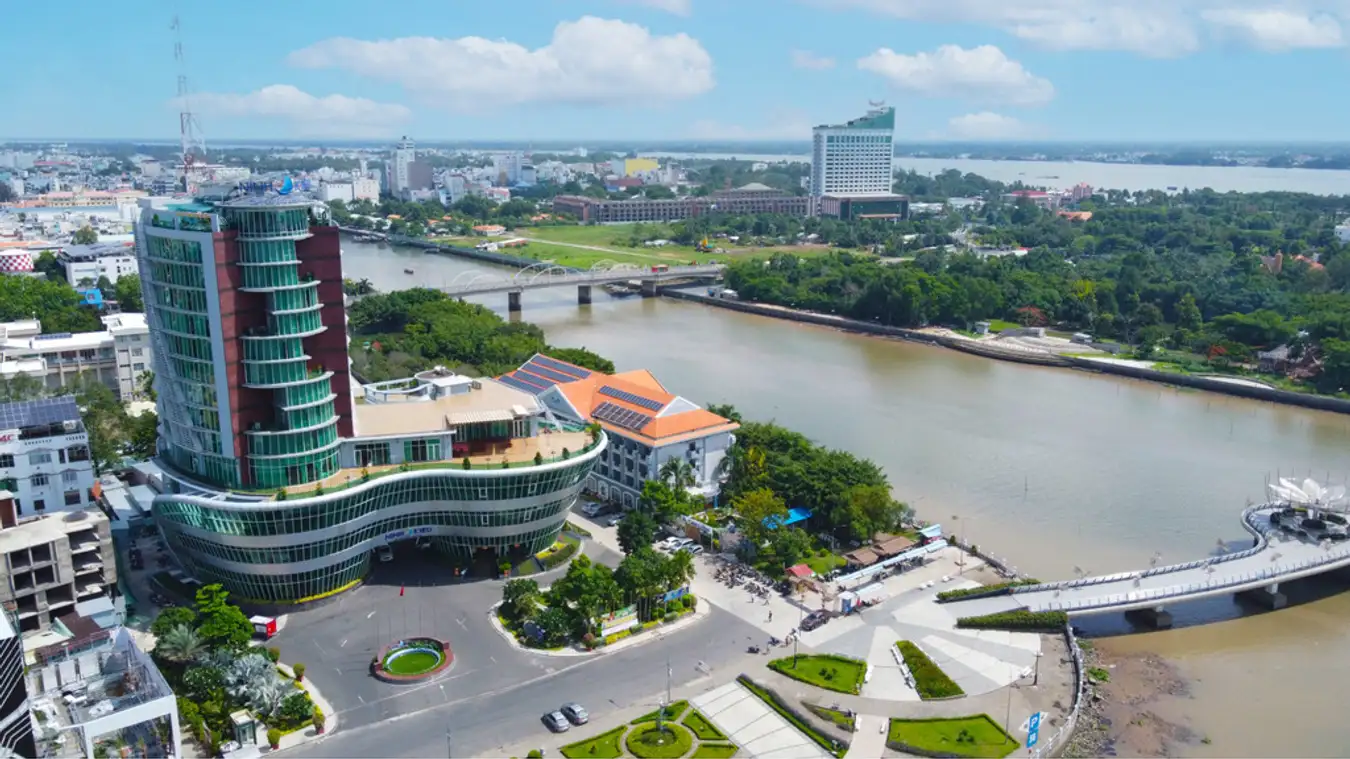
(501, 704)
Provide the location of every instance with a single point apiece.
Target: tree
(679, 569)
(755, 508)
(127, 293)
(204, 683)
(588, 589)
(172, 617)
(1188, 313)
(726, 411)
(869, 509)
(84, 236)
(180, 645)
(583, 358)
(49, 266)
(142, 435)
(520, 597)
(223, 625)
(104, 285)
(662, 501)
(554, 624)
(789, 545)
(642, 574)
(677, 473)
(636, 530)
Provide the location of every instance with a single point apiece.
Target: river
(1113, 176)
(1053, 469)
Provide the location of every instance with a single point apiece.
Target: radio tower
(193, 145)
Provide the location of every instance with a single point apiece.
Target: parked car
(614, 520)
(693, 548)
(576, 713)
(669, 544)
(813, 620)
(556, 722)
(384, 553)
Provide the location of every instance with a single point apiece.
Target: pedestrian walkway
(751, 724)
(869, 739)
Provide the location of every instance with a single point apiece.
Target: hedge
(1019, 620)
(997, 589)
(929, 679)
(673, 711)
(834, 747)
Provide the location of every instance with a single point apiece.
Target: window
(6, 460)
(72, 498)
(69, 477)
(372, 454)
(42, 457)
(39, 480)
(39, 504)
(78, 453)
(137, 351)
(138, 367)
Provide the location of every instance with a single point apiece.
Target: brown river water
(1051, 468)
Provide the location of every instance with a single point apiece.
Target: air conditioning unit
(70, 425)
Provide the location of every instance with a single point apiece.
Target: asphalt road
(488, 705)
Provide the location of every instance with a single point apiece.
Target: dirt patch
(1119, 717)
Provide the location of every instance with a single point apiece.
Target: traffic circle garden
(412, 660)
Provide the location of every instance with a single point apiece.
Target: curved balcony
(278, 374)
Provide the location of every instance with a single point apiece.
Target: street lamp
(449, 752)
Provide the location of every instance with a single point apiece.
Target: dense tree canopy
(52, 301)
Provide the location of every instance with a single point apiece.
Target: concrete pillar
(584, 295)
(1158, 618)
(1268, 597)
(513, 301)
(648, 288)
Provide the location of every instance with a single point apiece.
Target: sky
(442, 70)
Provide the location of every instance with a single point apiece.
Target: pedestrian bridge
(1275, 557)
(542, 275)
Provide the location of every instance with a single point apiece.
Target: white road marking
(368, 616)
(461, 624)
(343, 643)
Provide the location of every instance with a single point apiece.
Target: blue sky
(1269, 70)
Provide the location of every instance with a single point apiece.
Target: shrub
(658, 612)
(671, 741)
(689, 601)
(567, 454)
(466, 463)
(365, 474)
(674, 607)
(274, 737)
(616, 637)
(999, 589)
(504, 568)
(929, 679)
(1021, 619)
(319, 719)
(535, 754)
(299, 670)
(538, 458)
(588, 640)
(274, 654)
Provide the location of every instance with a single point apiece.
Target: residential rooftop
(439, 402)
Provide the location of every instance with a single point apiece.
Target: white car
(669, 544)
(682, 544)
(384, 553)
(694, 549)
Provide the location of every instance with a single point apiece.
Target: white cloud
(678, 7)
(1277, 29)
(805, 59)
(986, 125)
(308, 115)
(981, 74)
(589, 61)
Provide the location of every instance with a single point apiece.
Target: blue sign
(1033, 730)
(390, 537)
(286, 186)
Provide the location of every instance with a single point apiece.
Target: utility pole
(449, 752)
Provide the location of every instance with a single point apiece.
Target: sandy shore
(1121, 715)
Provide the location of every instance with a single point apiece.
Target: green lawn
(836, 673)
(975, 736)
(604, 746)
(714, 751)
(702, 728)
(929, 679)
(998, 325)
(834, 715)
(671, 741)
(673, 711)
(822, 565)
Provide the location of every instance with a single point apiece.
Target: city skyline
(689, 70)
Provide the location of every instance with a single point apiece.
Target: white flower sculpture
(1309, 493)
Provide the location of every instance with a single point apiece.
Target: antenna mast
(191, 142)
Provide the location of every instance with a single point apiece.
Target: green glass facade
(299, 447)
(294, 549)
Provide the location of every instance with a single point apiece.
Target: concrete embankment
(1004, 353)
(487, 256)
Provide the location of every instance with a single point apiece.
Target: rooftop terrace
(434, 402)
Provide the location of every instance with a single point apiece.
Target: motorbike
(752, 650)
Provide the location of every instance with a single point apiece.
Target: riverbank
(1215, 384)
(1121, 714)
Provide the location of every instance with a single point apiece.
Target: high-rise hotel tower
(274, 479)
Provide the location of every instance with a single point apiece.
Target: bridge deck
(1272, 560)
(532, 280)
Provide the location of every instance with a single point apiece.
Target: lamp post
(449, 751)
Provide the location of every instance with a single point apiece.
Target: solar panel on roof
(544, 371)
(533, 379)
(510, 381)
(620, 416)
(23, 414)
(575, 371)
(632, 398)
(53, 336)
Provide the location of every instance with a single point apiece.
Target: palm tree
(180, 645)
(678, 473)
(679, 569)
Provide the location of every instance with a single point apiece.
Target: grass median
(976, 736)
(837, 673)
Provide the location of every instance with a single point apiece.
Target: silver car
(556, 722)
(576, 713)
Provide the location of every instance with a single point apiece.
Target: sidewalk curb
(700, 611)
(308, 734)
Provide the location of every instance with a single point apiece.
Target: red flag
(400, 591)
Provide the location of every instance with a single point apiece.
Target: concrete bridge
(542, 275)
(1256, 572)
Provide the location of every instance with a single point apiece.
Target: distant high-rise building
(507, 167)
(16, 720)
(856, 158)
(404, 155)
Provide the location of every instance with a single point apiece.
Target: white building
(86, 263)
(44, 456)
(16, 186)
(365, 188)
(98, 694)
(856, 158)
(646, 425)
(399, 175)
(330, 191)
(507, 168)
(118, 356)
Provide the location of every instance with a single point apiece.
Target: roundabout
(412, 660)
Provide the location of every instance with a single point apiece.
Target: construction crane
(192, 143)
